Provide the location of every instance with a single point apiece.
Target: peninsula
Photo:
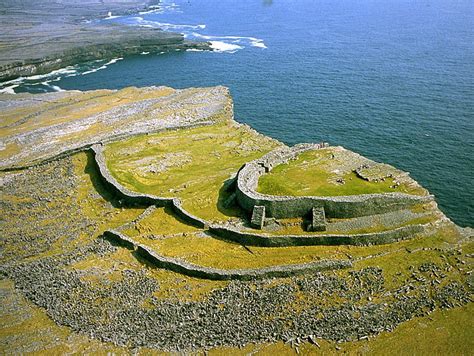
(148, 220)
(38, 37)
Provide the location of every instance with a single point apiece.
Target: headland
(148, 219)
(41, 36)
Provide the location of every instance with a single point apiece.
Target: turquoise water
(392, 80)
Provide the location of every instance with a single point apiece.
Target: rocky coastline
(40, 37)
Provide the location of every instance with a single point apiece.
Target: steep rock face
(40, 36)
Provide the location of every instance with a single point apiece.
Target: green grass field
(313, 173)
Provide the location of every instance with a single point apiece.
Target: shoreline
(53, 37)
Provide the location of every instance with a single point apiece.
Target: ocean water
(390, 79)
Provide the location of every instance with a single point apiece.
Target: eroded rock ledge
(41, 36)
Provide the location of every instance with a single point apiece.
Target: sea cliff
(41, 36)
(122, 232)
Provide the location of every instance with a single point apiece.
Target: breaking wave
(104, 66)
(220, 46)
(43, 82)
(240, 40)
(156, 17)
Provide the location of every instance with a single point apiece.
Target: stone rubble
(240, 313)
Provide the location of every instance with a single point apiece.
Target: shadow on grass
(101, 186)
(226, 202)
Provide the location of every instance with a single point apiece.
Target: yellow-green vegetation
(26, 329)
(201, 249)
(160, 223)
(59, 122)
(179, 287)
(72, 106)
(444, 332)
(191, 164)
(295, 226)
(95, 201)
(395, 259)
(87, 200)
(68, 201)
(207, 251)
(419, 214)
(327, 172)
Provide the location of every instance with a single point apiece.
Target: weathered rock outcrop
(43, 126)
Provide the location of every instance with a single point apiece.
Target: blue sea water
(390, 79)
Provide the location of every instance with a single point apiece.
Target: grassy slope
(192, 164)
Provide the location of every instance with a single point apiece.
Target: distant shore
(40, 37)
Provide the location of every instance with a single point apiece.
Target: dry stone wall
(186, 216)
(138, 198)
(193, 270)
(290, 206)
(118, 189)
(249, 238)
(376, 238)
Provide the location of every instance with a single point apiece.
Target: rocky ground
(233, 316)
(40, 36)
(60, 277)
(37, 127)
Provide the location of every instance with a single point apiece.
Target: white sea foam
(145, 53)
(92, 70)
(104, 66)
(53, 76)
(241, 40)
(220, 46)
(115, 60)
(9, 89)
(258, 43)
(14, 81)
(68, 71)
(54, 87)
(140, 21)
(153, 11)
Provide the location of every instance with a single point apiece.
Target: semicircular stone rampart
(192, 270)
(349, 206)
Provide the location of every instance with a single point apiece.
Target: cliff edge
(38, 37)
